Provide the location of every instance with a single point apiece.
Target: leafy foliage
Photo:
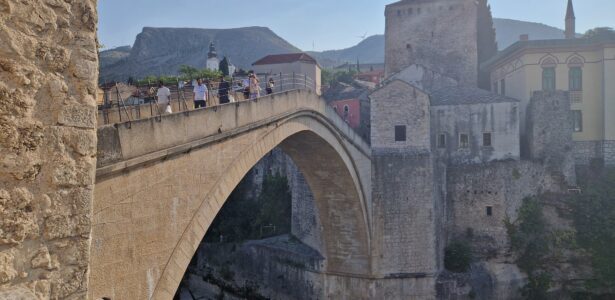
(594, 220)
(333, 78)
(600, 32)
(531, 241)
(243, 218)
(458, 257)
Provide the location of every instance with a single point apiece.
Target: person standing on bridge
(223, 89)
(270, 85)
(200, 94)
(163, 96)
(255, 89)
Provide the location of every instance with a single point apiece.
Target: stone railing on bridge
(120, 111)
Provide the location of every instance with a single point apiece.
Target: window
(335, 108)
(464, 141)
(548, 79)
(577, 117)
(576, 79)
(489, 211)
(503, 86)
(418, 11)
(487, 139)
(495, 87)
(399, 13)
(410, 10)
(442, 140)
(346, 109)
(400, 133)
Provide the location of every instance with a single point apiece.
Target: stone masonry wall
(499, 185)
(439, 34)
(549, 133)
(48, 72)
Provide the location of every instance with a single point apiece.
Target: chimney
(570, 22)
(524, 37)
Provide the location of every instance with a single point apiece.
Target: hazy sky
(312, 24)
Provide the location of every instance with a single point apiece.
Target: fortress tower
(443, 35)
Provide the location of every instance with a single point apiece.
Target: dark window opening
(495, 87)
(503, 86)
(489, 211)
(399, 13)
(442, 140)
(464, 141)
(418, 11)
(487, 139)
(576, 79)
(548, 79)
(577, 117)
(409, 47)
(400, 133)
(410, 10)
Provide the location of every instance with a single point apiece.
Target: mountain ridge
(161, 50)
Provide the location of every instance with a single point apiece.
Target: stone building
(441, 34)
(470, 125)
(213, 62)
(295, 68)
(584, 67)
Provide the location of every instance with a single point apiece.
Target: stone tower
(570, 21)
(440, 34)
(213, 62)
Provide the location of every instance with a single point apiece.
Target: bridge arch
(320, 146)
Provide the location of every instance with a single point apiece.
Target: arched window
(575, 79)
(548, 79)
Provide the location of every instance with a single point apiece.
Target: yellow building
(585, 67)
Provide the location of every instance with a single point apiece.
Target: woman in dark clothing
(223, 90)
(270, 85)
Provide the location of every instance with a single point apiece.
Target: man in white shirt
(163, 97)
(200, 94)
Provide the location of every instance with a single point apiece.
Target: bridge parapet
(184, 131)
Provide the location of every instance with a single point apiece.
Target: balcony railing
(576, 96)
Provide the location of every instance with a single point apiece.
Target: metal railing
(143, 103)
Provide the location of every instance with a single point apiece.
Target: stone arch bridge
(161, 181)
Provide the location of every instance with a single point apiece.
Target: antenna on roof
(362, 37)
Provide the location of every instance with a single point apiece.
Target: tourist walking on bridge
(200, 94)
(163, 98)
(255, 88)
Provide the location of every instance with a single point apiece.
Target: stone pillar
(549, 133)
(48, 74)
(405, 199)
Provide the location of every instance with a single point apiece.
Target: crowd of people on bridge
(249, 87)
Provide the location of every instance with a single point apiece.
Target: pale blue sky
(322, 24)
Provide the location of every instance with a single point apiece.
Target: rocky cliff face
(160, 51)
(48, 70)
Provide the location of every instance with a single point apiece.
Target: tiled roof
(457, 95)
(285, 59)
(537, 44)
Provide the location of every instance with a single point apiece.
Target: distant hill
(112, 56)
(370, 50)
(508, 31)
(160, 51)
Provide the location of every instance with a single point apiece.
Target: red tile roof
(285, 59)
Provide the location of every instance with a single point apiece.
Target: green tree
(594, 220)
(600, 32)
(224, 66)
(458, 257)
(531, 241)
(188, 71)
(275, 203)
